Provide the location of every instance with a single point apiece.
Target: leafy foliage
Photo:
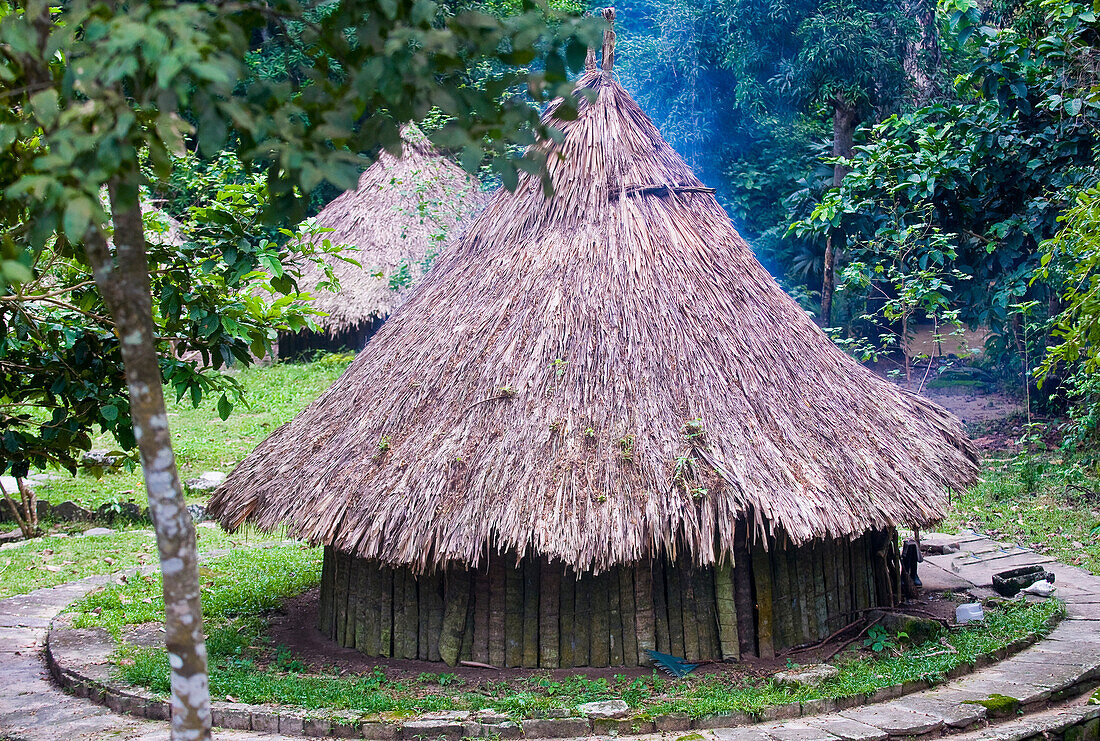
(986, 175)
(140, 97)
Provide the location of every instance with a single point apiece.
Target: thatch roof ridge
(597, 377)
(401, 213)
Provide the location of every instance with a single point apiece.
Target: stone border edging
(99, 687)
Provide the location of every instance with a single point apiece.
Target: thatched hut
(601, 427)
(399, 217)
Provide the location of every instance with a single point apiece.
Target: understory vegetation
(1046, 503)
(203, 441)
(241, 590)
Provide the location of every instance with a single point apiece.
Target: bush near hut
(241, 590)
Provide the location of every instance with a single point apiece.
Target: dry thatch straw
(399, 217)
(597, 377)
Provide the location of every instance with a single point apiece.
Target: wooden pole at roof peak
(590, 57)
(608, 52)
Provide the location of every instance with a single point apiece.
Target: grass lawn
(202, 441)
(241, 589)
(1049, 505)
(67, 555)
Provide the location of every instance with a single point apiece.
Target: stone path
(1057, 670)
(32, 708)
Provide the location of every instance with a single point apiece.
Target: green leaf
(225, 407)
(109, 412)
(15, 271)
(78, 216)
(45, 107)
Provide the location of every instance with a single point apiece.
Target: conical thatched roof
(597, 377)
(399, 217)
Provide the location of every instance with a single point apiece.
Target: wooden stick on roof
(608, 52)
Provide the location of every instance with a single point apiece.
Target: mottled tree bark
(26, 511)
(123, 279)
(844, 129)
(922, 53)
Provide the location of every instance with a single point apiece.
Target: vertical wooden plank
(761, 571)
(372, 615)
(438, 612)
(628, 615)
(364, 600)
(783, 614)
(675, 599)
(400, 612)
(513, 616)
(708, 617)
(821, 611)
(883, 594)
(498, 601)
(466, 653)
(859, 572)
(567, 631)
(325, 610)
(845, 580)
(549, 629)
(726, 610)
(582, 620)
(598, 649)
(660, 605)
(798, 597)
(456, 601)
(480, 649)
(385, 611)
(832, 583)
(690, 617)
(895, 567)
(343, 577)
(426, 587)
(644, 609)
(863, 576)
(412, 615)
(530, 612)
(743, 596)
(614, 619)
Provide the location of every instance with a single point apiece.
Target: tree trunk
(844, 129)
(123, 280)
(26, 512)
(922, 52)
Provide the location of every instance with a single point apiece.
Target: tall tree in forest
(841, 58)
(91, 90)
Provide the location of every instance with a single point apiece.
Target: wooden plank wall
(538, 614)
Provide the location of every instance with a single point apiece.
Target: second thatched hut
(601, 427)
(399, 218)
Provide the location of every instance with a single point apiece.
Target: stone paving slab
(1050, 721)
(799, 732)
(848, 729)
(953, 712)
(894, 719)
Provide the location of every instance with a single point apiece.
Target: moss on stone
(998, 706)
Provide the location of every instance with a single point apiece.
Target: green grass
(244, 584)
(240, 590)
(202, 441)
(66, 556)
(1050, 505)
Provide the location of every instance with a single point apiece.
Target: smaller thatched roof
(399, 218)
